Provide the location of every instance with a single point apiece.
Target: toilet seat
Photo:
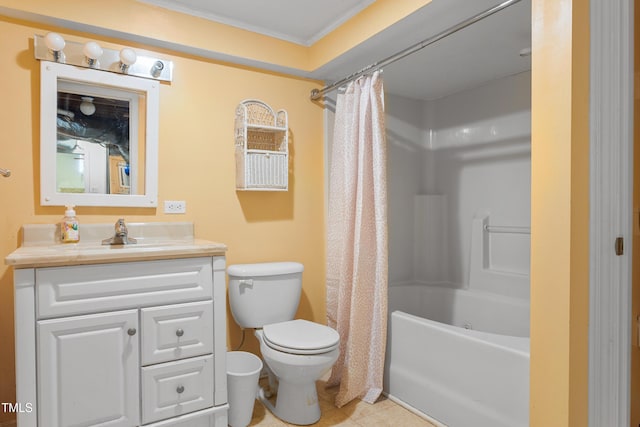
(300, 337)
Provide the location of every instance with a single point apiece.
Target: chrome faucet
(121, 236)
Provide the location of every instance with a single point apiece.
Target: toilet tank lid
(264, 269)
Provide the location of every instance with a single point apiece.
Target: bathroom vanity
(126, 335)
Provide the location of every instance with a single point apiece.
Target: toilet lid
(300, 337)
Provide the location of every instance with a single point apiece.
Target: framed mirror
(99, 138)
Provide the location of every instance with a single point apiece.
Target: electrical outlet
(175, 206)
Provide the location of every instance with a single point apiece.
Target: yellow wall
(560, 213)
(196, 164)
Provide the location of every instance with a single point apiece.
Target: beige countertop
(41, 245)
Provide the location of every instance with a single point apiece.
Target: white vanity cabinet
(122, 343)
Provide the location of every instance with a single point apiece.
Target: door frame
(611, 186)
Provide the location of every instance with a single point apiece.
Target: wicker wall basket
(262, 147)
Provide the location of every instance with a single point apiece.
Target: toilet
(265, 297)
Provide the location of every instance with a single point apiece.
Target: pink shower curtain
(357, 240)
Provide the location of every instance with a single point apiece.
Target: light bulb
(92, 51)
(55, 43)
(127, 58)
(87, 107)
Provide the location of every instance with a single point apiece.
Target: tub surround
(454, 159)
(41, 245)
(146, 321)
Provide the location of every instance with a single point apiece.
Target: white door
(88, 370)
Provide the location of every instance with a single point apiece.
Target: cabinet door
(88, 370)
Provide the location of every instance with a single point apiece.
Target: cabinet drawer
(84, 289)
(210, 417)
(176, 388)
(177, 332)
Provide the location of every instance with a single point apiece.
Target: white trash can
(243, 372)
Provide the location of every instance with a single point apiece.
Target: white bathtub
(461, 357)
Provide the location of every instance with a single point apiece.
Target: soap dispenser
(69, 227)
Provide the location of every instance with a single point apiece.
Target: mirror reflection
(93, 136)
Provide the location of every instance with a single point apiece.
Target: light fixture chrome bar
(144, 66)
(317, 93)
(5, 172)
(507, 229)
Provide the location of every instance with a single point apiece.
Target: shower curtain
(357, 240)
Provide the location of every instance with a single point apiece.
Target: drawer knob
(132, 331)
(180, 389)
(179, 332)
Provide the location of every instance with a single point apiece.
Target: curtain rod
(317, 93)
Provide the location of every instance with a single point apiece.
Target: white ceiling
(484, 51)
(481, 52)
(298, 21)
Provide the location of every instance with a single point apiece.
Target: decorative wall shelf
(262, 147)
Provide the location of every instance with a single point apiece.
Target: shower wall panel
(474, 147)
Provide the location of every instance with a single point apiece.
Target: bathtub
(460, 357)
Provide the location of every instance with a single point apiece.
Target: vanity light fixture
(137, 63)
(87, 107)
(55, 43)
(128, 57)
(92, 51)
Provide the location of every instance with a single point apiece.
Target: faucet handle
(121, 228)
(121, 236)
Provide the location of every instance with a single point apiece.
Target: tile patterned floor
(383, 413)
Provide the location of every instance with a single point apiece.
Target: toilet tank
(265, 293)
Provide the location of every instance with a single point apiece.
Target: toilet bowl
(297, 369)
(296, 352)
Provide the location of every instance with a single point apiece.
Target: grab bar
(5, 172)
(506, 229)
